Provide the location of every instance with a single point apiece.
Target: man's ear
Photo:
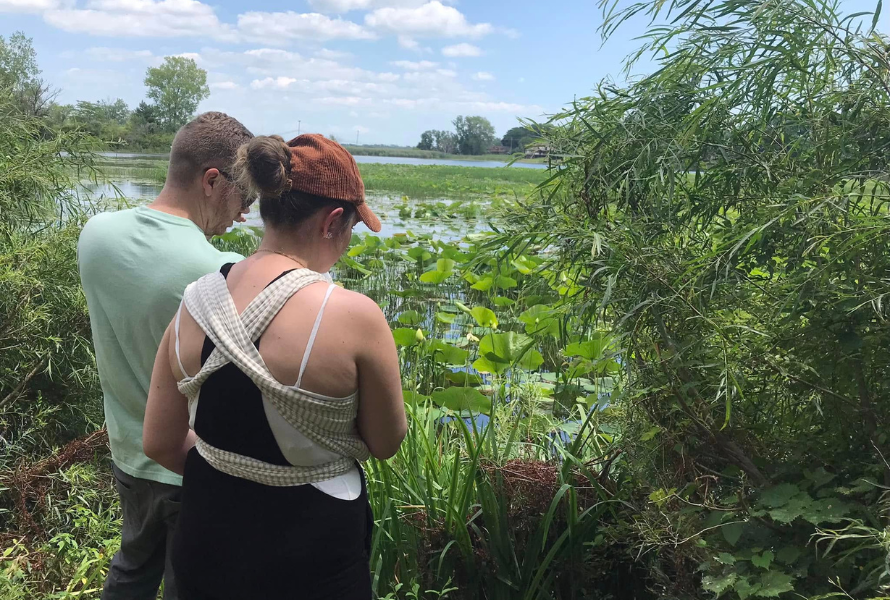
(209, 179)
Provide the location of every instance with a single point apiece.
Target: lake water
(386, 206)
(398, 160)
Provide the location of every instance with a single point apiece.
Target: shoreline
(366, 151)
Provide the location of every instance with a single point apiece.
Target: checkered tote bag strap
(330, 424)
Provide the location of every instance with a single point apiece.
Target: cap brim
(368, 217)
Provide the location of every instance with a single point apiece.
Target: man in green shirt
(134, 266)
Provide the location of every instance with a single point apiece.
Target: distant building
(499, 150)
(537, 151)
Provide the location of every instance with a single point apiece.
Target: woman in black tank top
(274, 504)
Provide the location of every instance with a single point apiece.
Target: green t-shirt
(134, 266)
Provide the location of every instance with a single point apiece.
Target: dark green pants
(150, 510)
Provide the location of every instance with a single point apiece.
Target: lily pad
(404, 336)
(410, 318)
(463, 398)
(464, 378)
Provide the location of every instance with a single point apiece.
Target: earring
(328, 235)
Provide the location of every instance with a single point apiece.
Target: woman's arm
(381, 414)
(166, 437)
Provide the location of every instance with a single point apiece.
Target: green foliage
(474, 135)
(18, 63)
(177, 87)
(726, 219)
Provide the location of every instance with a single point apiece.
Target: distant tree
(18, 63)
(58, 115)
(176, 87)
(116, 111)
(147, 117)
(475, 135)
(427, 140)
(445, 142)
(518, 138)
(20, 76)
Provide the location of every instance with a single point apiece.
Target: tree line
(173, 91)
(476, 135)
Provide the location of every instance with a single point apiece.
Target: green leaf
(483, 285)
(434, 276)
(718, 584)
(410, 318)
(464, 378)
(779, 495)
(592, 349)
(540, 319)
(445, 265)
(404, 337)
(502, 301)
(419, 254)
(773, 584)
(510, 348)
(745, 589)
(826, 510)
(447, 318)
(725, 558)
(503, 282)
(445, 353)
(650, 434)
(732, 532)
(483, 365)
(788, 555)
(485, 317)
(762, 560)
(792, 510)
(413, 398)
(463, 398)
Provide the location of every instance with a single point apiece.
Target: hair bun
(263, 166)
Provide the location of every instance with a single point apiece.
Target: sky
(376, 71)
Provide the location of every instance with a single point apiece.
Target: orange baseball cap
(323, 167)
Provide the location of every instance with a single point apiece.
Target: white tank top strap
(176, 342)
(312, 335)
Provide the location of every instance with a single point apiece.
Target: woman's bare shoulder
(355, 306)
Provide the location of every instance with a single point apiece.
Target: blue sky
(385, 69)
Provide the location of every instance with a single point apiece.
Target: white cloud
(141, 18)
(409, 65)
(33, 6)
(519, 109)
(433, 19)
(120, 55)
(408, 43)
(224, 85)
(483, 76)
(278, 83)
(332, 54)
(342, 6)
(462, 50)
(390, 77)
(361, 129)
(289, 26)
(345, 100)
(446, 72)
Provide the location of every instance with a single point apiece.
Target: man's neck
(176, 202)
